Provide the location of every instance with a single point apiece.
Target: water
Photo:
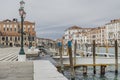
(109, 73)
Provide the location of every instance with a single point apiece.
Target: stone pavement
(16, 70)
(10, 53)
(29, 70)
(44, 70)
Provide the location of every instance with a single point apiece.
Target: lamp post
(22, 13)
(29, 38)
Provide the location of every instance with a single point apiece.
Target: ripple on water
(109, 75)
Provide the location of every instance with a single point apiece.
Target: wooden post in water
(116, 57)
(84, 70)
(98, 48)
(61, 59)
(102, 70)
(94, 67)
(63, 46)
(106, 47)
(71, 60)
(75, 46)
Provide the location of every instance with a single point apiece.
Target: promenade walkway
(10, 54)
(29, 70)
(44, 70)
(10, 70)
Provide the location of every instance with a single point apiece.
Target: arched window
(3, 38)
(19, 38)
(15, 39)
(6, 38)
(10, 27)
(7, 27)
(10, 38)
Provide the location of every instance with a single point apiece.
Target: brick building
(10, 32)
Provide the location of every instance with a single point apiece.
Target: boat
(100, 58)
(106, 55)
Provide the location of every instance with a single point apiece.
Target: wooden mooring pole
(94, 67)
(61, 59)
(71, 60)
(116, 57)
(102, 70)
(75, 46)
(84, 70)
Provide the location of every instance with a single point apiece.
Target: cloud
(57, 15)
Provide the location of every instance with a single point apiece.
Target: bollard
(116, 57)
(71, 60)
(94, 67)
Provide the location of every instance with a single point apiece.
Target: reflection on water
(109, 75)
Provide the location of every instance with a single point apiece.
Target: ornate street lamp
(22, 13)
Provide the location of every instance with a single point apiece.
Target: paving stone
(16, 71)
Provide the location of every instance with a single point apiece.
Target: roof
(15, 21)
(113, 21)
(74, 27)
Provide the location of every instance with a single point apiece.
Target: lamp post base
(21, 57)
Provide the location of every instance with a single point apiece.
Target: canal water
(109, 74)
(109, 71)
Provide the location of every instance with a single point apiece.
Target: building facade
(113, 31)
(98, 34)
(10, 32)
(104, 35)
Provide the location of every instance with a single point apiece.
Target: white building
(78, 34)
(113, 31)
(68, 35)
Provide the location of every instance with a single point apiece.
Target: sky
(53, 17)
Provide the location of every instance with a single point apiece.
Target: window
(3, 38)
(7, 29)
(32, 38)
(14, 29)
(10, 38)
(10, 29)
(25, 38)
(28, 27)
(6, 38)
(15, 39)
(4, 28)
(19, 38)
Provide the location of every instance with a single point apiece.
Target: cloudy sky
(52, 17)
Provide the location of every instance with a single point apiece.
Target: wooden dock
(80, 65)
